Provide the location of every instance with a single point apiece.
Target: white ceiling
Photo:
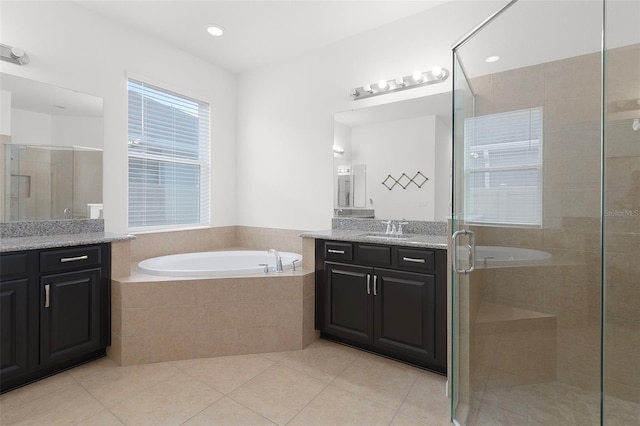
(256, 32)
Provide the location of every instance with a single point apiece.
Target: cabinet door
(13, 328)
(70, 315)
(347, 304)
(404, 312)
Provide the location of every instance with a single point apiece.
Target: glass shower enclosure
(545, 280)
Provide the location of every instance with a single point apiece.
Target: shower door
(529, 251)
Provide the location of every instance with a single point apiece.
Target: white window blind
(503, 168)
(168, 158)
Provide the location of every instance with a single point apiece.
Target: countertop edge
(13, 244)
(421, 241)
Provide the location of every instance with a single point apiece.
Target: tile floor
(323, 384)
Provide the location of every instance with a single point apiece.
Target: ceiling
(256, 32)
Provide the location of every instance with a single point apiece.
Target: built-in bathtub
(218, 263)
(229, 310)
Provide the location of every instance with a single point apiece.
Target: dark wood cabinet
(347, 305)
(13, 328)
(55, 311)
(386, 299)
(69, 315)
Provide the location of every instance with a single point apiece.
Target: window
(168, 158)
(503, 168)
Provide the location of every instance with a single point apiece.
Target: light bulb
(382, 84)
(215, 30)
(400, 81)
(367, 88)
(437, 72)
(417, 76)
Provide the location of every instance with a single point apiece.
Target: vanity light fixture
(14, 55)
(417, 79)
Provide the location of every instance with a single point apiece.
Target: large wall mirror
(392, 161)
(51, 142)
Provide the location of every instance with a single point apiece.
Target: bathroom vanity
(55, 303)
(383, 296)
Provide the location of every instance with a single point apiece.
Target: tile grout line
(97, 400)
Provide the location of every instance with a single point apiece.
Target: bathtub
(216, 263)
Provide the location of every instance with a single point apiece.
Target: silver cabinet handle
(46, 296)
(375, 285)
(368, 283)
(411, 259)
(336, 251)
(73, 259)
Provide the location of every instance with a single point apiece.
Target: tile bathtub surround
(376, 225)
(293, 387)
(180, 319)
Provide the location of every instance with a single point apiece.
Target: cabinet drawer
(415, 259)
(338, 251)
(13, 266)
(69, 258)
(373, 255)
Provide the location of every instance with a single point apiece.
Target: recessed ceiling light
(215, 30)
(492, 59)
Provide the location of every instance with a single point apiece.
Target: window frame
(504, 146)
(203, 162)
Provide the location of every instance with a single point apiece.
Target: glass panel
(622, 214)
(527, 349)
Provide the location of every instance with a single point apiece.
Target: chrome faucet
(278, 260)
(67, 213)
(399, 231)
(390, 227)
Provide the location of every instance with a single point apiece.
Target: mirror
(392, 161)
(51, 142)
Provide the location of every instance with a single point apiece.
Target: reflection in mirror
(388, 143)
(51, 142)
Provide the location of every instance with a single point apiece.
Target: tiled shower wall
(569, 288)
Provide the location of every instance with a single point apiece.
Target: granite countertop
(358, 236)
(62, 240)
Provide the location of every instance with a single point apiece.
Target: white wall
(5, 112)
(77, 131)
(285, 111)
(442, 172)
(393, 148)
(30, 128)
(72, 47)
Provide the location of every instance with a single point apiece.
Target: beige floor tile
(338, 407)
(170, 402)
(225, 374)
(275, 356)
(278, 393)
(322, 360)
(227, 412)
(103, 418)
(35, 390)
(426, 400)
(378, 379)
(69, 404)
(402, 420)
(111, 383)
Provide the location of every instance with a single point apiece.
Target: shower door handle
(471, 247)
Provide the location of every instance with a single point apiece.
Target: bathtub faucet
(278, 260)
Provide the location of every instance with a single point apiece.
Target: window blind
(168, 149)
(503, 168)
